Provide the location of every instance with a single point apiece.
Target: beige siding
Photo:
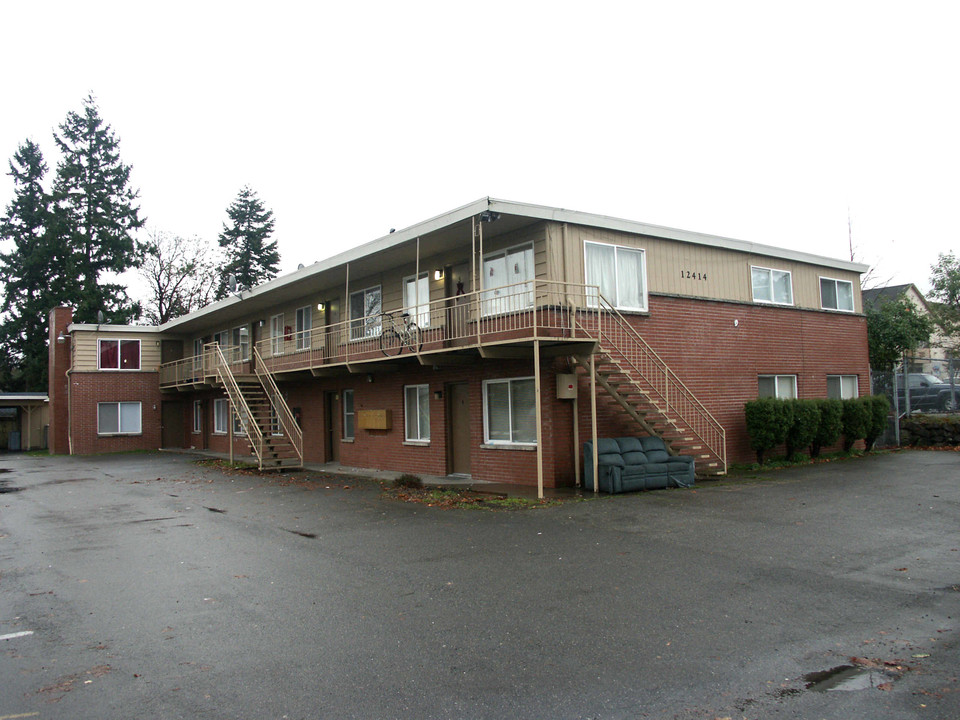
(691, 270)
(85, 345)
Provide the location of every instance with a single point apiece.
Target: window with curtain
(777, 386)
(619, 272)
(220, 416)
(348, 414)
(843, 387)
(416, 299)
(118, 418)
(119, 354)
(772, 286)
(276, 335)
(417, 411)
(836, 294)
(304, 327)
(507, 280)
(365, 311)
(510, 413)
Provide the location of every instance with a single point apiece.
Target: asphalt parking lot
(148, 586)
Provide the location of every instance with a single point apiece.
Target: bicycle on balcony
(398, 331)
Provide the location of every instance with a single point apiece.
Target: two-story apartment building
(490, 341)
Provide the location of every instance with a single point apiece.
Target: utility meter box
(567, 386)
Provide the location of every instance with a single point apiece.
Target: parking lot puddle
(848, 678)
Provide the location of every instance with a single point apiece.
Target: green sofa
(636, 463)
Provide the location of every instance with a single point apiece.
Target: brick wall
(719, 348)
(89, 389)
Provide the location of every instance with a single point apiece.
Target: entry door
(331, 425)
(172, 430)
(458, 428)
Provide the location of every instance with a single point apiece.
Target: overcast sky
(762, 121)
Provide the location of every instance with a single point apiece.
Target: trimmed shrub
(831, 423)
(879, 408)
(856, 418)
(803, 428)
(767, 422)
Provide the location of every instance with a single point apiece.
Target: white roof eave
(538, 212)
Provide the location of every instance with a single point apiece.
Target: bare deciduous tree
(181, 274)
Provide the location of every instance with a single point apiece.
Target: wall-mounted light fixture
(369, 377)
(438, 394)
(321, 306)
(61, 338)
(438, 274)
(260, 323)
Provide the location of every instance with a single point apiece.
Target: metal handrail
(237, 401)
(620, 341)
(289, 423)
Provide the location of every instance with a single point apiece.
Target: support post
(536, 396)
(576, 434)
(230, 411)
(593, 420)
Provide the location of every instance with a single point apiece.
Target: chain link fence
(929, 385)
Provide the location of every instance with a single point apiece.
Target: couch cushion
(657, 456)
(606, 446)
(634, 458)
(650, 442)
(629, 444)
(610, 459)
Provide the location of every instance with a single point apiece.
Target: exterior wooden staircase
(639, 384)
(273, 433)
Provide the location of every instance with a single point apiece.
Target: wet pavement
(148, 586)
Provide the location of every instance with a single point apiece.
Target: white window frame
(197, 354)
(777, 379)
(304, 327)
(349, 429)
(421, 399)
(844, 380)
(122, 429)
(510, 413)
(276, 334)
(221, 416)
(617, 249)
(417, 303)
(197, 417)
(836, 293)
(365, 326)
(770, 273)
(119, 342)
(240, 339)
(520, 298)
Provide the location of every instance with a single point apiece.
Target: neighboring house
(24, 418)
(525, 315)
(931, 357)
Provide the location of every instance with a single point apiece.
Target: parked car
(928, 392)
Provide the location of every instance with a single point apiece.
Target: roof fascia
(90, 327)
(631, 226)
(347, 256)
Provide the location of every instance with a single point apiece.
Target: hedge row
(816, 424)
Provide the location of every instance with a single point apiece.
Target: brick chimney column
(59, 353)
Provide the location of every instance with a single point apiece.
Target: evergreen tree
(33, 272)
(95, 215)
(252, 257)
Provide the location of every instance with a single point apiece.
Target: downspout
(69, 415)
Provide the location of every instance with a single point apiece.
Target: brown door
(171, 417)
(331, 426)
(458, 428)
